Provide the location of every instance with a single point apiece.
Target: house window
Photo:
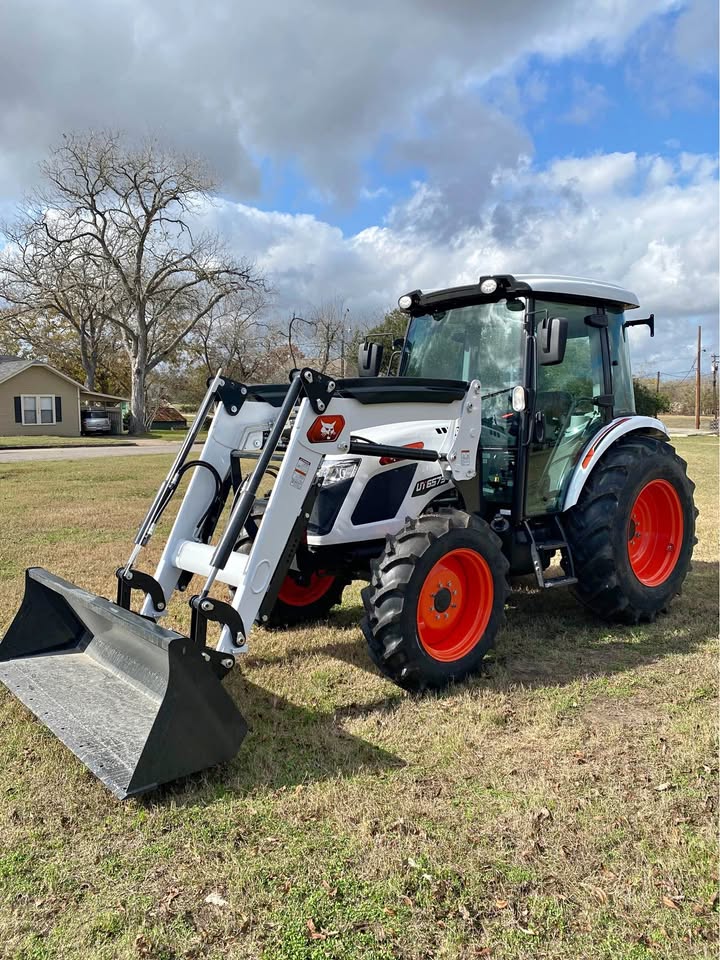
(38, 410)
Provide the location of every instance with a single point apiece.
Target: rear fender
(610, 434)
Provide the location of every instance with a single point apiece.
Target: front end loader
(507, 444)
(141, 705)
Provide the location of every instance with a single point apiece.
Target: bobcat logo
(327, 430)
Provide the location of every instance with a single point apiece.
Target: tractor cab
(551, 354)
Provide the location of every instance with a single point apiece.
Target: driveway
(85, 453)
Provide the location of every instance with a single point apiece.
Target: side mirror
(398, 343)
(370, 359)
(551, 340)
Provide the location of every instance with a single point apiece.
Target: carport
(105, 404)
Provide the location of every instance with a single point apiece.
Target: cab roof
(524, 284)
(579, 287)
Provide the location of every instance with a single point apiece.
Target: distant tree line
(674, 396)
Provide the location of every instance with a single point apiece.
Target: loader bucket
(138, 704)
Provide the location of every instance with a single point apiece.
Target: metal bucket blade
(137, 703)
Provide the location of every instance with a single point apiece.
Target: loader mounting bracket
(209, 608)
(318, 388)
(232, 395)
(129, 580)
(295, 547)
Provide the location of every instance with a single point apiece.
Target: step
(551, 544)
(559, 582)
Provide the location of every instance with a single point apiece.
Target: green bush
(648, 403)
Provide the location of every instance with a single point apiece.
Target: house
(168, 418)
(38, 400)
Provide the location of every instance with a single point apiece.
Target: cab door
(573, 400)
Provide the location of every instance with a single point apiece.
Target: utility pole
(657, 392)
(697, 379)
(714, 358)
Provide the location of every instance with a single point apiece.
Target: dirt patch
(610, 712)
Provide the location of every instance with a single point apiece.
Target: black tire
(598, 529)
(287, 615)
(391, 600)
(292, 615)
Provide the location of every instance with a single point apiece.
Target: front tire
(436, 600)
(632, 531)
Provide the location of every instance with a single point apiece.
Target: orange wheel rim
(655, 532)
(296, 594)
(455, 604)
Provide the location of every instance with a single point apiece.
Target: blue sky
(589, 103)
(363, 150)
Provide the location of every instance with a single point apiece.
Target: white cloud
(596, 174)
(661, 242)
(320, 86)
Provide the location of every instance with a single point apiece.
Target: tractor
(506, 437)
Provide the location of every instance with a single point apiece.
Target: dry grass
(676, 421)
(561, 806)
(33, 442)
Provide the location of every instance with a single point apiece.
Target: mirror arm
(645, 322)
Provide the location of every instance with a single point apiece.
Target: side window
(623, 390)
(29, 408)
(564, 404)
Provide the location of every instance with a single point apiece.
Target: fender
(595, 448)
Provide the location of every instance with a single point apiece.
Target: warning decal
(299, 473)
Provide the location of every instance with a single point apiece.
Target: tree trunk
(88, 357)
(137, 397)
(90, 366)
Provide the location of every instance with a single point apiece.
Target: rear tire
(632, 531)
(436, 600)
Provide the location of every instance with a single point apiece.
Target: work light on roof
(488, 286)
(405, 302)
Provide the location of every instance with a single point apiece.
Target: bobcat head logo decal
(326, 429)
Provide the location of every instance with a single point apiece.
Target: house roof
(86, 394)
(11, 366)
(168, 414)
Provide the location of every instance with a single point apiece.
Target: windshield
(482, 341)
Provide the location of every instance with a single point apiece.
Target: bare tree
(56, 294)
(323, 337)
(130, 211)
(236, 336)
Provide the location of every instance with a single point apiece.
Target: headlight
(335, 471)
(518, 399)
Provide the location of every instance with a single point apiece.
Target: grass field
(12, 443)
(674, 421)
(17, 443)
(563, 805)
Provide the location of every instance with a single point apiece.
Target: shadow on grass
(551, 639)
(286, 745)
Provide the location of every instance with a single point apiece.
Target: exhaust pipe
(140, 705)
